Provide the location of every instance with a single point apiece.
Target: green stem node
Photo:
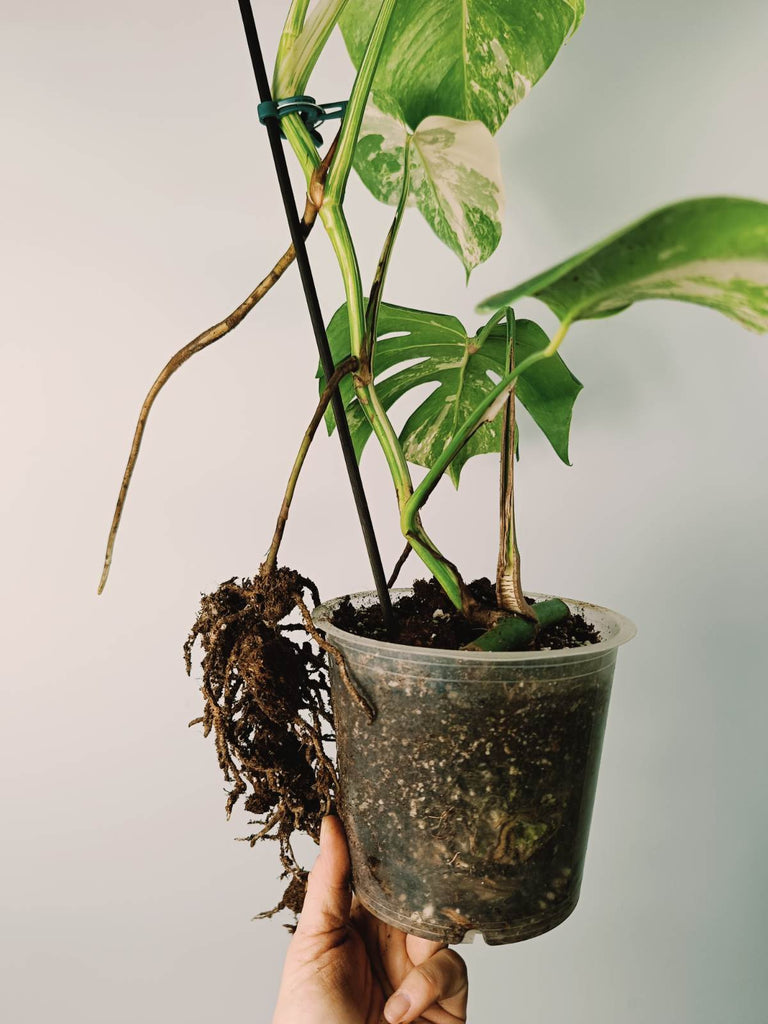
(515, 633)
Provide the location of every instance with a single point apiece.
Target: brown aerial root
(208, 337)
(202, 341)
(266, 702)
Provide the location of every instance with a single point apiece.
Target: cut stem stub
(509, 590)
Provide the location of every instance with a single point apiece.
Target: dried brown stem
(398, 566)
(509, 588)
(313, 203)
(197, 344)
(348, 366)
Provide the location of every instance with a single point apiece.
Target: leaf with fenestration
(713, 252)
(455, 177)
(465, 375)
(468, 59)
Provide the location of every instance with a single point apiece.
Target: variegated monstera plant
(435, 80)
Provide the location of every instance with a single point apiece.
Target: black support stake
(315, 313)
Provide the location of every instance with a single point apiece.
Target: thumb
(329, 896)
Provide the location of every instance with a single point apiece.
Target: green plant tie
(311, 112)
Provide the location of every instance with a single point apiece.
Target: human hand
(346, 967)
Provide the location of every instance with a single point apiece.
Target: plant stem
(294, 23)
(498, 316)
(444, 571)
(336, 226)
(341, 371)
(301, 43)
(509, 590)
(302, 145)
(208, 337)
(399, 565)
(514, 633)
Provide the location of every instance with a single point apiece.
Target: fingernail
(397, 1007)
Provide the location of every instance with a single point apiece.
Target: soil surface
(428, 619)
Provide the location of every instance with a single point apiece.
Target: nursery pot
(467, 801)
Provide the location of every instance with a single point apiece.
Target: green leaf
(449, 357)
(455, 177)
(713, 252)
(468, 59)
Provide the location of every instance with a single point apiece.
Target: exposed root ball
(266, 702)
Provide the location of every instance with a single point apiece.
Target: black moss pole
(315, 314)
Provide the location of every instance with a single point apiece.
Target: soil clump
(266, 702)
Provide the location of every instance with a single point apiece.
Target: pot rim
(623, 631)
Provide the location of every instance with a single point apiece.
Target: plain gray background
(138, 206)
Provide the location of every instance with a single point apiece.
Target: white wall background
(138, 205)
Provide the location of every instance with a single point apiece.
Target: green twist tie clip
(310, 112)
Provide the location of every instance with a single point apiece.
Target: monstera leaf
(455, 177)
(712, 251)
(464, 372)
(468, 59)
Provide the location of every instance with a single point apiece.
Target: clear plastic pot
(467, 801)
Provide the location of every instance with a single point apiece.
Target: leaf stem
(444, 571)
(335, 223)
(301, 143)
(499, 315)
(294, 23)
(379, 280)
(301, 43)
(350, 128)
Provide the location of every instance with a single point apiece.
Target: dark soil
(428, 619)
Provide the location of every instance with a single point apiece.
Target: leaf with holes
(455, 177)
(468, 59)
(713, 252)
(465, 374)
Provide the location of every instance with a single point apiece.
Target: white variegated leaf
(469, 59)
(380, 154)
(711, 251)
(455, 177)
